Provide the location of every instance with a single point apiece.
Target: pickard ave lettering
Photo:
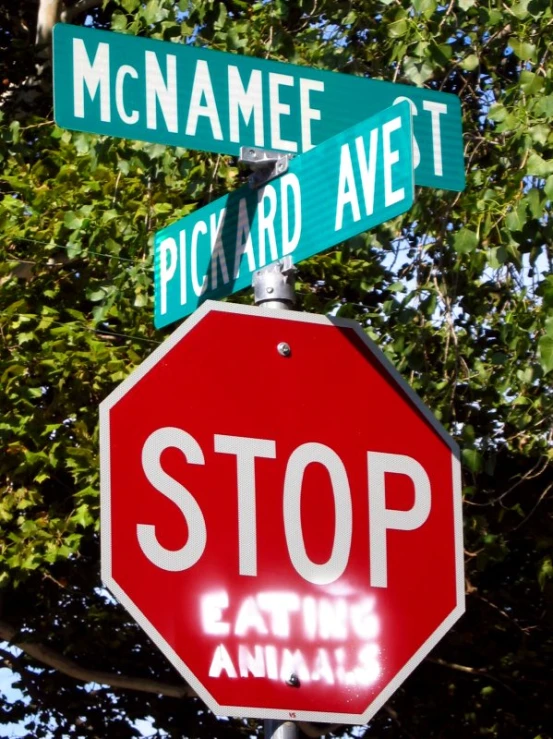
(217, 249)
(257, 237)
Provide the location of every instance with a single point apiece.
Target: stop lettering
(246, 450)
(285, 527)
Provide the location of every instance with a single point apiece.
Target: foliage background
(458, 293)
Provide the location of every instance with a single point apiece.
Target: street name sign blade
(346, 185)
(250, 547)
(171, 93)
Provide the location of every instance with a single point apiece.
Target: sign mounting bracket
(265, 164)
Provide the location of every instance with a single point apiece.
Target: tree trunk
(48, 14)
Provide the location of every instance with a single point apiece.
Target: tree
(458, 293)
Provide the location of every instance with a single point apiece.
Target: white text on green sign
(348, 184)
(171, 93)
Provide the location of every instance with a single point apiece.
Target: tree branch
(82, 6)
(51, 658)
(476, 671)
(47, 16)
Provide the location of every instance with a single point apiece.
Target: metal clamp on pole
(266, 165)
(273, 286)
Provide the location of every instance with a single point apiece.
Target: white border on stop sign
(151, 631)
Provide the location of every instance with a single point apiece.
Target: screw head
(284, 349)
(293, 681)
(270, 290)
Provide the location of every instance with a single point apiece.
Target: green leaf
(465, 241)
(515, 219)
(545, 351)
(153, 12)
(472, 459)
(530, 82)
(25, 336)
(82, 516)
(523, 49)
(14, 128)
(544, 105)
(535, 205)
(470, 63)
(397, 28)
(495, 17)
(220, 22)
(234, 41)
(108, 215)
(396, 287)
(141, 300)
(425, 7)
(441, 54)
(83, 143)
(540, 133)
(520, 9)
(416, 72)
(527, 377)
(545, 572)
(545, 290)
(497, 112)
(130, 5)
(118, 22)
(466, 4)
(72, 220)
(97, 295)
(99, 313)
(538, 166)
(497, 256)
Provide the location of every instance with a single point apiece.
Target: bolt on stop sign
(281, 514)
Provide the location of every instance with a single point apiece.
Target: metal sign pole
(275, 729)
(273, 287)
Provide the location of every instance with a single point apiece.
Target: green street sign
(170, 93)
(346, 185)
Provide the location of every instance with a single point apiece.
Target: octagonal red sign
(281, 514)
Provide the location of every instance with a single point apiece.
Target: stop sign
(280, 514)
